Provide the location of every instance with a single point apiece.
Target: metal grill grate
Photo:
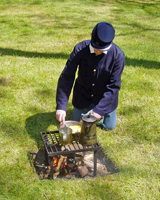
(51, 142)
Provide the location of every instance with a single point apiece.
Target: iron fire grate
(53, 148)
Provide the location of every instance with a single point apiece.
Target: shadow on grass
(31, 54)
(143, 63)
(38, 123)
(41, 122)
(134, 62)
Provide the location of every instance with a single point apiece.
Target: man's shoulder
(117, 48)
(83, 44)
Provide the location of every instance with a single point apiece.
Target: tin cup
(65, 135)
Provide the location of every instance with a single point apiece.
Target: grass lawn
(36, 39)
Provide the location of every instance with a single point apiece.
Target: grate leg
(51, 164)
(95, 163)
(46, 159)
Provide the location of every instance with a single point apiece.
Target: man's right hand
(60, 116)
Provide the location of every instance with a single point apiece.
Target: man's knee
(110, 126)
(110, 121)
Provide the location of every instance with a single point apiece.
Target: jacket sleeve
(112, 88)
(66, 79)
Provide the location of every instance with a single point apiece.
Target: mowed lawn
(37, 37)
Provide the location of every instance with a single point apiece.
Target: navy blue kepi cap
(102, 35)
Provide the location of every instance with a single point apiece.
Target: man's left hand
(96, 115)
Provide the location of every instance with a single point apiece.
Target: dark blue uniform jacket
(98, 81)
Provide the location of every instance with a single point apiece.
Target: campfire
(70, 161)
(71, 166)
(74, 165)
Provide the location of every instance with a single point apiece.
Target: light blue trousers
(109, 119)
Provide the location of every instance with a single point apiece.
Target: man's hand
(96, 115)
(60, 116)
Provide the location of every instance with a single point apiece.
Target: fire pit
(57, 154)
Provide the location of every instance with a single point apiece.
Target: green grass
(35, 41)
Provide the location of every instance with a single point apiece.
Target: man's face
(97, 51)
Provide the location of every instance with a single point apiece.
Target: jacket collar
(104, 51)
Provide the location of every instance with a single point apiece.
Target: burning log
(66, 164)
(55, 161)
(57, 168)
(55, 175)
(60, 161)
(73, 164)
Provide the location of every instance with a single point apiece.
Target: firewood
(78, 159)
(88, 157)
(83, 171)
(91, 164)
(57, 168)
(59, 163)
(55, 175)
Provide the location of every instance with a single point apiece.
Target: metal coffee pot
(65, 135)
(88, 134)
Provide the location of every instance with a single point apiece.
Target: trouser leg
(110, 120)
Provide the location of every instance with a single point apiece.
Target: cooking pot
(76, 131)
(65, 135)
(88, 134)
